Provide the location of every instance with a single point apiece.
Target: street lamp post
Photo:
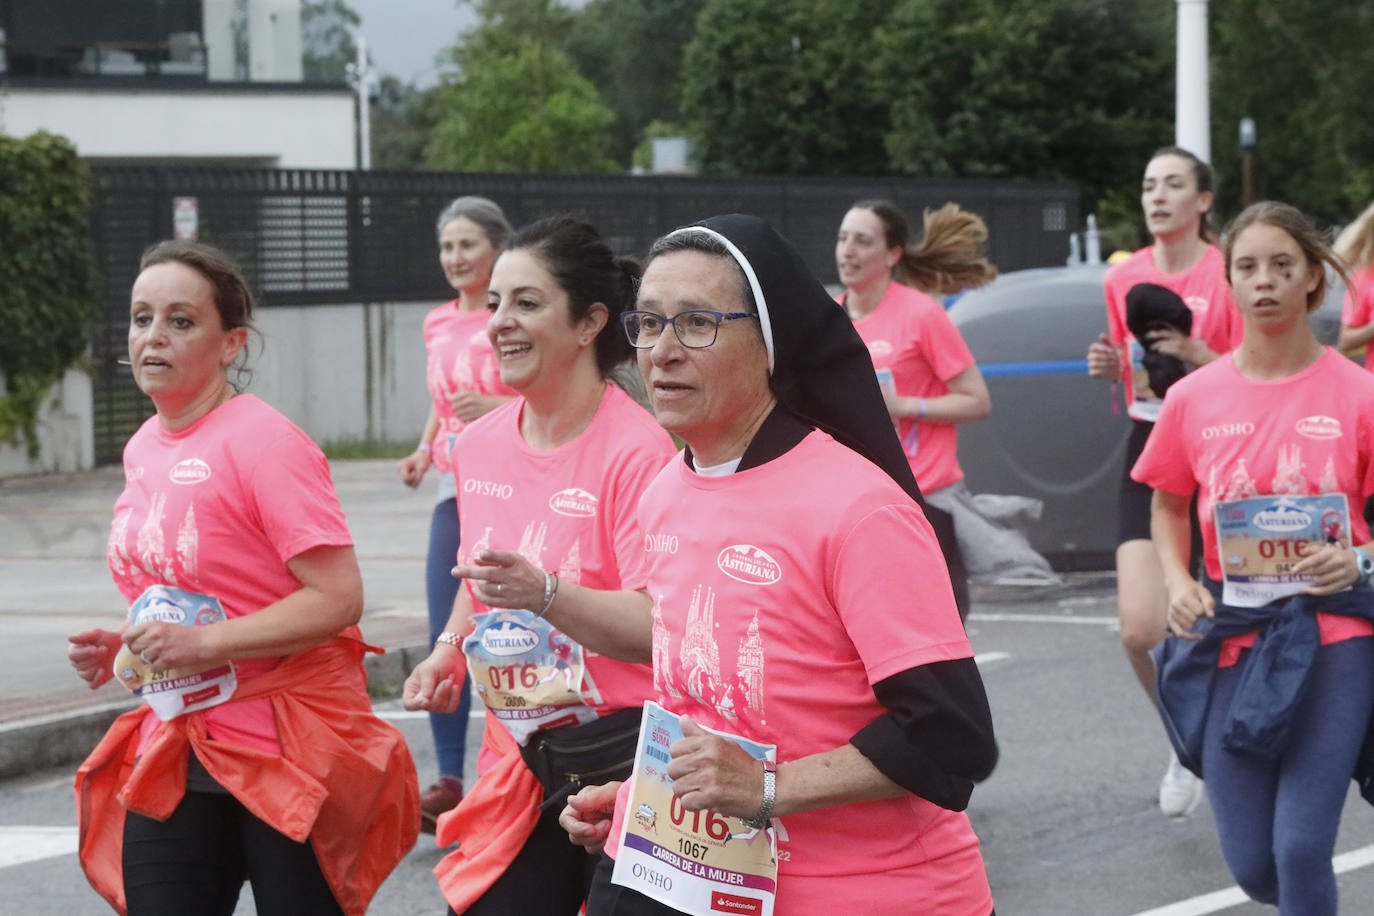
(362, 78)
(1192, 108)
(1247, 149)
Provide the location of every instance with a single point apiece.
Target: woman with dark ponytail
(929, 380)
(1180, 274)
(547, 490)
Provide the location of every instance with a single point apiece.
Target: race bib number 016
(179, 690)
(697, 862)
(527, 673)
(1261, 539)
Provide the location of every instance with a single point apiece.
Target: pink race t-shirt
(913, 342)
(568, 510)
(460, 359)
(218, 508)
(1230, 437)
(774, 616)
(1358, 309)
(1202, 287)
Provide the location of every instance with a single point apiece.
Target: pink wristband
(424, 447)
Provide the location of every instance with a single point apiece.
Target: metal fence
(312, 237)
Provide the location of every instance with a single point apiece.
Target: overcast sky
(404, 35)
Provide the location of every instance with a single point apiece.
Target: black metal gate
(312, 236)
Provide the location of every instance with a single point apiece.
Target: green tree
(515, 102)
(1059, 89)
(46, 272)
(327, 46)
(402, 119)
(781, 86)
(1302, 71)
(631, 50)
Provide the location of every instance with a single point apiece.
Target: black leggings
(194, 863)
(549, 876)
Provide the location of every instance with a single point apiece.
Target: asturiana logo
(1319, 427)
(749, 564)
(189, 471)
(161, 610)
(573, 502)
(508, 638)
(1282, 518)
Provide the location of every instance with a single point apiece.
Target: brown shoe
(443, 796)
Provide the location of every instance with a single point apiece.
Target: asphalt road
(1068, 822)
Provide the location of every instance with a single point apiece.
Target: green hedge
(47, 276)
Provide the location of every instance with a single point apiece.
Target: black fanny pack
(566, 759)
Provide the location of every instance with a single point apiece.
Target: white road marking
(29, 844)
(399, 715)
(1234, 896)
(987, 658)
(1042, 618)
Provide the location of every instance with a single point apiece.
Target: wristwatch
(770, 785)
(1365, 564)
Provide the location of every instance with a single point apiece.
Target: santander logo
(190, 471)
(749, 564)
(1319, 427)
(574, 502)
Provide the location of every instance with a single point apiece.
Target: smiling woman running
(548, 487)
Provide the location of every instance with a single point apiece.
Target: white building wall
(66, 436)
(345, 372)
(274, 40)
(280, 129)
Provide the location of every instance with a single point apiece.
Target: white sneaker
(1179, 790)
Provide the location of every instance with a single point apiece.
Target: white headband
(764, 324)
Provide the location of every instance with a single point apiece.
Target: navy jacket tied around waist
(1272, 682)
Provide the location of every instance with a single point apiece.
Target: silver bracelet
(550, 589)
(451, 638)
(770, 787)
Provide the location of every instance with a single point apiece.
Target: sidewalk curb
(64, 739)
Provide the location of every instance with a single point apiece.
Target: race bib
(885, 380)
(1261, 539)
(527, 673)
(179, 690)
(1145, 404)
(697, 862)
(911, 442)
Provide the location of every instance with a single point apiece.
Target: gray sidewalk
(54, 581)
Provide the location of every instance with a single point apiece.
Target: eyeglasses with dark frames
(695, 328)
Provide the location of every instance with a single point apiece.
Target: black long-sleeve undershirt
(936, 738)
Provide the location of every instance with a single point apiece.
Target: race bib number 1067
(697, 862)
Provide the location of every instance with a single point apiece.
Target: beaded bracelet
(550, 589)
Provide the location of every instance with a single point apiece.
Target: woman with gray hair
(464, 384)
(820, 722)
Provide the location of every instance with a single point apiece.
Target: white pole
(1192, 114)
(362, 74)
